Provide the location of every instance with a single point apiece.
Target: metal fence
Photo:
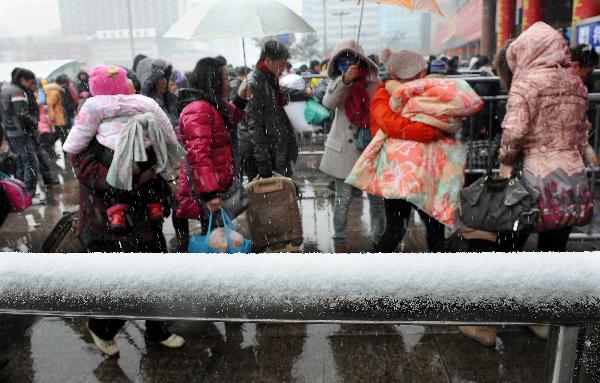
(302, 288)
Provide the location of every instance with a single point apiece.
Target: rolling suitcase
(274, 219)
(63, 238)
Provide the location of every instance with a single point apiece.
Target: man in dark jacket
(20, 126)
(154, 75)
(266, 138)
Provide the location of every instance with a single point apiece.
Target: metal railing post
(565, 354)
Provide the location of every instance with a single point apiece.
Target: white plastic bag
(293, 81)
(295, 112)
(218, 240)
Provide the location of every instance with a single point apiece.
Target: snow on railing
(525, 287)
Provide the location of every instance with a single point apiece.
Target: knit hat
(438, 66)
(108, 80)
(403, 64)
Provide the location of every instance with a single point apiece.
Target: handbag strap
(517, 168)
(229, 226)
(207, 237)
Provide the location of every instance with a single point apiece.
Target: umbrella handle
(244, 50)
(362, 10)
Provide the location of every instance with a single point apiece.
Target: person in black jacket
(267, 142)
(21, 126)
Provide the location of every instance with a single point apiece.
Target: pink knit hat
(108, 80)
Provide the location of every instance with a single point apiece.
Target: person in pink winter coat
(205, 123)
(546, 125)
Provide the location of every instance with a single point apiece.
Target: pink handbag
(16, 192)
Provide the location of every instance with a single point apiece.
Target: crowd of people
(147, 143)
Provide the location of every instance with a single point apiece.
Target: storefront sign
(588, 32)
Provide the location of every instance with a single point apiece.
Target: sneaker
(109, 347)
(173, 341)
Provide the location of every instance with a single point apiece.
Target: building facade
(107, 26)
(405, 29)
(464, 29)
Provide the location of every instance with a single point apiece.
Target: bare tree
(306, 48)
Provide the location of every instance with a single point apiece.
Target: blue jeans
(343, 197)
(27, 161)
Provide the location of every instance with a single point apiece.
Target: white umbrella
(217, 19)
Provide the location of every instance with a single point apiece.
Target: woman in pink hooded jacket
(546, 125)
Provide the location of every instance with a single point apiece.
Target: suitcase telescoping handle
(268, 185)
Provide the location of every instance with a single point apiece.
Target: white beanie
(403, 64)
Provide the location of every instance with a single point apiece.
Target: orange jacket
(394, 125)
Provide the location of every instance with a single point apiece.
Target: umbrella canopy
(422, 5)
(217, 19)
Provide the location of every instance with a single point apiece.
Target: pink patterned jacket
(546, 122)
(547, 105)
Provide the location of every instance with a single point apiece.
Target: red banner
(532, 12)
(584, 9)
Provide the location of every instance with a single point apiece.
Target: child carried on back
(438, 102)
(137, 136)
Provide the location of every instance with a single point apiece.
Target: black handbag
(500, 204)
(235, 199)
(363, 138)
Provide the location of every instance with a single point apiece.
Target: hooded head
(345, 47)
(540, 46)
(403, 64)
(108, 80)
(150, 71)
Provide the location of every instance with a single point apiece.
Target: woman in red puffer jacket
(205, 123)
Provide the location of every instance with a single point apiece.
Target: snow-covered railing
(527, 288)
(559, 289)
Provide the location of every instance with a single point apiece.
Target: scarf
(273, 81)
(358, 102)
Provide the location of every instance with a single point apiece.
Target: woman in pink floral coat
(546, 126)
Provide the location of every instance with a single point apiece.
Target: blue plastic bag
(200, 243)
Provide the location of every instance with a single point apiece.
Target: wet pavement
(59, 350)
